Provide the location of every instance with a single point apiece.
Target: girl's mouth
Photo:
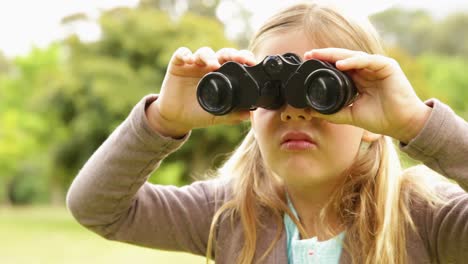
(297, 141)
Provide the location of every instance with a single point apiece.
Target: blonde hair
(372, 203)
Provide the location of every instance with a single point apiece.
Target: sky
(28, 23)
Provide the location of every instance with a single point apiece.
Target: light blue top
(306, 251)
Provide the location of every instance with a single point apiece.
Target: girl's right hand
(176, 111)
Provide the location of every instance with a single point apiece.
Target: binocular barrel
(277, 80)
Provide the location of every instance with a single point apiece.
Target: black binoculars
(277, 80)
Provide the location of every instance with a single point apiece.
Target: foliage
(418, 33)
(113, 74)
(413, 69)
(25, 133)
(448, 80)
(60, 103)
(4, 64)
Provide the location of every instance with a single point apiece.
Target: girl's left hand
(387, 103)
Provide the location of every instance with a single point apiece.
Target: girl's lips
(297, 141)
(297, 145)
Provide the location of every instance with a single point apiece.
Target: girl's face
(302, 150)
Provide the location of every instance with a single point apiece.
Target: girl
(302, 187)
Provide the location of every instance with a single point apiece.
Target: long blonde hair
(373, 201)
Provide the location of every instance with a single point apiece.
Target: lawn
(48, 235)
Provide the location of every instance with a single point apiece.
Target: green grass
(51, 236)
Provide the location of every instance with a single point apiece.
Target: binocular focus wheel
(215, 94)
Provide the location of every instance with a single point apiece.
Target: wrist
(416, 124)
(162, 125)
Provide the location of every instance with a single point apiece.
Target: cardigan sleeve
(111, 195)
(442, 145)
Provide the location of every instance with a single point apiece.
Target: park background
(59, 101)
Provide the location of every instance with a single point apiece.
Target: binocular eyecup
(277, 80)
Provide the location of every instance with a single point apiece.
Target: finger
(363, 61)
(226, 54)
(360, 81)
(366, 74)
(206, 57)
(240, 56)
(331, 54)
(247, 57)
(182, 56)
(363, 74)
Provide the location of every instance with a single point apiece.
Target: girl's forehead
(280, 43)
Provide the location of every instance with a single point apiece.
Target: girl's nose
(290, 113)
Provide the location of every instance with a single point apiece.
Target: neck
(308, 202)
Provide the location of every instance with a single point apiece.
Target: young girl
(302, 187)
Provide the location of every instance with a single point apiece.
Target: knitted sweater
(111, 196)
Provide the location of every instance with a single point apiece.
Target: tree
(25, 132)
(451, 36)
(232, 13)
(447, 80)
(179, 7)
(4, 64)
(418, 33)
(411, 30)
(60, 103)
(107, 78)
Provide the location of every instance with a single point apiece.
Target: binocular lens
(320, 92)
(215, 94)
(324, 92)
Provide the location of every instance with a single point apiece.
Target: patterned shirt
(307, 251)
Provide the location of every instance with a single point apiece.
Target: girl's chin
(299, 171)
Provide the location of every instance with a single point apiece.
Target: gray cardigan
(111, 196)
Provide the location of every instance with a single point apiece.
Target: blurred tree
(414, 70)
(4, 64)
(59, 104)
(24, 132)
(451, 35)
(232, 13)
(18, 142)
(410, 29)
(447, 80)
(418, 33)
(206, 8)
(238, 20)
(108, 77)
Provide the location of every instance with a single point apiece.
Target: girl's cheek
(259, 115)
(266, 113)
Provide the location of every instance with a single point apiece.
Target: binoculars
(277, 80)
